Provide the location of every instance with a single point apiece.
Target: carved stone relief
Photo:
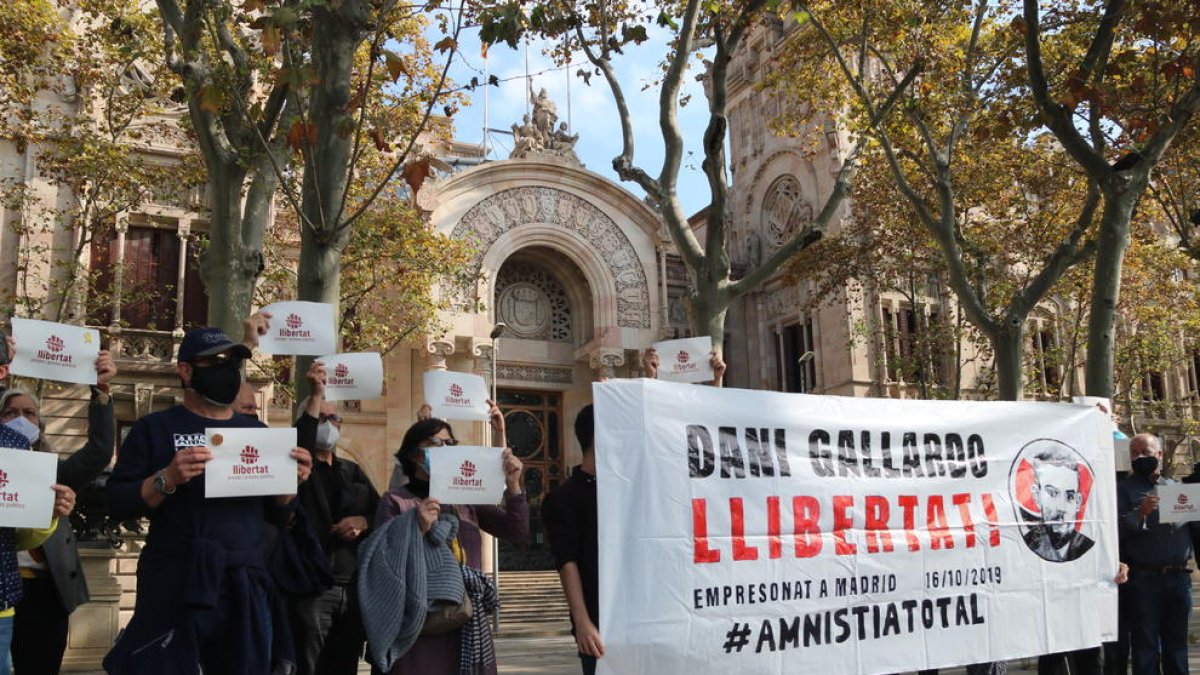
(512, 208)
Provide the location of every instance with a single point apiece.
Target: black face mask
(218, 384)
(253, 416)
(1145, 466)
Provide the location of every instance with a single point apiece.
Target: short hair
(1056, 454)
(42, 444)
(585, 428)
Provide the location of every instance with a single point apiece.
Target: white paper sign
(456, 396)
(750, 531)
(26, 499)
(250, 462)
(686, 360)
(55, 351)
(465, 474)
(355, 376)
(1178, 502)
(304, 328)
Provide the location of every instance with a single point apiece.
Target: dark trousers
(588, 663)
(1158, 612)
(1079, 662)
(39, 629)
(328, 631)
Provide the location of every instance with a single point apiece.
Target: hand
(587, 639)
(718, 366)
(255, 326)
(499, 439)
(1148, 506)
(512, 471)
(64, 500)
(303, 463)
(427, 514)
(349, 528)
(316, 378)
(106, 368)
(186, 465)
(425, 412)
(650, 360)
(1122, 574)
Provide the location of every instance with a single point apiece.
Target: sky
(590, 108)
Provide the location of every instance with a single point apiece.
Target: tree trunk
(708, 317)
(1010, 376)
(228, 279)
(1106, 287)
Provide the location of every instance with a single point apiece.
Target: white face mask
(26, 428)
(327, 436)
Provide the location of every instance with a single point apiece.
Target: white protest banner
(26, 498)
(354, 376)
(686, 360)
(298, 327)
(249, 462)
(1178, 503)
(456, 396)
(750, 531)
(466, 474)
(55, 351)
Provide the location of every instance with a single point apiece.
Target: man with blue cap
(204, 597)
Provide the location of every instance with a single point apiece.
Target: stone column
(95, 624)
(605, 362)
(114, 326)
(437, 349)
(183, 232)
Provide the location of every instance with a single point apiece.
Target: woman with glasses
(436, 654)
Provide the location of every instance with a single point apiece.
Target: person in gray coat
(52, 575)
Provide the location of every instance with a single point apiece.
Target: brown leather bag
(447, 617)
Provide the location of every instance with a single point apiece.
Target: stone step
(532, 605)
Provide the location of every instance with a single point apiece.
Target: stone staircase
(532, 605)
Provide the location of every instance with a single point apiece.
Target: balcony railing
(139, 344)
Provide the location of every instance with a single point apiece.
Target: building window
(1047, 372)
(795, 351)
(913, 346)
(1153, 386)
(150, 278)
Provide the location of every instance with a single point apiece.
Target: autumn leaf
(381, 144)
(395, 65)
(483, 50)
(446, 44)
(415, 173)
(210, 99)
(254, 5)
(270, 40)
(301, 133)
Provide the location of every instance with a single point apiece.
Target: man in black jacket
(340, 502)
(52, 574)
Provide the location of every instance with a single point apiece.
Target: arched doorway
(545, 302)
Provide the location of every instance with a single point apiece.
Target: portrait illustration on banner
(1050, 483)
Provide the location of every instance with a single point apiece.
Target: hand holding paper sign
(186, 465)
(254, 327)
(512, 471)
(64, 500)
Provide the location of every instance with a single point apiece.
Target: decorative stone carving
(540, 374)
(606, 361)
(784, 212)
(532, 303)
(482, 350)
(538, 138)
(510, 209)
(439, 349)
(143, 399)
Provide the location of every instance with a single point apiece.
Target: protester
(52, 574)
(13, 540)
(393, 641)
(340, 502)
(1160, 586)
(204, 596)
(569, 516)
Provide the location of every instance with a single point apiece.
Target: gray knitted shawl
(400, 573)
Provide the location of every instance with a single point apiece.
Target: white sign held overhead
(300, 328)
(686, 360)
(26, 495)
(464, 474)
(748, 531)
(249, 462)
(55, 351)
(355, 376)
(456, 396)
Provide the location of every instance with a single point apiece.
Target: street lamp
(495, 335)
(801, 363)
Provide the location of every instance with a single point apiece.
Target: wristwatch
(160, 483)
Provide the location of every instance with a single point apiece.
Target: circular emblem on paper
(1050, 484)
(525, 309)
(217, 439)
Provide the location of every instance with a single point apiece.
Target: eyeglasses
(224, 358)
(330, 418)
(436, 442)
